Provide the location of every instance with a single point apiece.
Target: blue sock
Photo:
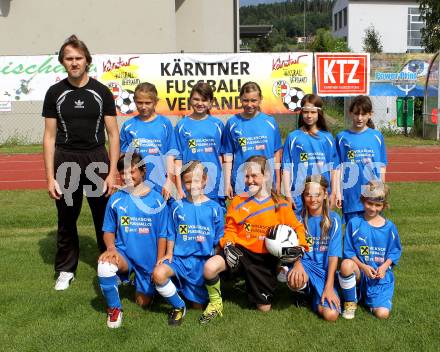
(109, 288)
(169, 292)
(348, 286)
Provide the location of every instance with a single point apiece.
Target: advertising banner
(399, 75)
(283, 77)
(342, 74)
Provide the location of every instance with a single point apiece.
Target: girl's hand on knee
(168, 257)
(110, 255)
(369, 271)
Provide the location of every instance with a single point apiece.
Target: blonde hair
(147, 88)
(262, 162)
(376, 191)
(326, 223)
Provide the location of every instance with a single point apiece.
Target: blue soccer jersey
(138, 223)
(305, 155)
(321, 249)
(362, 155)
(244, 138)
(201, 140)
(373, 246)
(153, 140)
(195, 228)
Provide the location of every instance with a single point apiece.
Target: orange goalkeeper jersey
(248, 221)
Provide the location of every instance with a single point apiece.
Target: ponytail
(370, 124)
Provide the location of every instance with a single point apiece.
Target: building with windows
(397, 21)
(119, 27)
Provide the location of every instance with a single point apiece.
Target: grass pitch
(34, 317)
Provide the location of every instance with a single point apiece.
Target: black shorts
(259, 271)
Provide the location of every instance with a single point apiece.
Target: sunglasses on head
(309, 109)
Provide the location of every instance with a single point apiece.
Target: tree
(325, 42)
(371, 43)
(430, 12)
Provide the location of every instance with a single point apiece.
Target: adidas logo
(79, 104)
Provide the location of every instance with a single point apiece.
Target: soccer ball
(125, 102)
(282, 242)
(292, 100)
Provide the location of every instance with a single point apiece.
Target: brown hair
(74, 42)
(135, 160)
(204, 89)
(147, 88)
(191, 165)
(325, 221)
(376, 191)
(316, 101)
(362, 105)
(262, 162)
(249, 87)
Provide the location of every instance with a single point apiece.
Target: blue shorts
(189, 277)
(317, 279)
(377, 293)
(142, 281)
(348, 216)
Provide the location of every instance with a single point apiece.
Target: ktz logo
(247, 227)
(125, 220)
(365, 250)
(309, 241)
(303, 157)
(192, 143)
(350, 154)
(183, 229)
(136, 143)
(242, 142)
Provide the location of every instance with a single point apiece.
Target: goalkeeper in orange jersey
(249, 217)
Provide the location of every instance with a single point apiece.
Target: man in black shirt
(77, 110)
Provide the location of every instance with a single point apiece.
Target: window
(345, 17)
(340, 19)
(415, 24)
(335, 22)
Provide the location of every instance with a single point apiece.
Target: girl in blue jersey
(194, 230)
(247, 134)
(134, 234)
(151, 135)
(309, 150)
(362, 154)
(316, 270)
(371, 249)
(198, 137)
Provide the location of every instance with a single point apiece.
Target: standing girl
(316, 270)
(362, 154)
(249, 217)
(151, 135)
(250, 133)
(371, 248)
(309, 150)
(198, 137)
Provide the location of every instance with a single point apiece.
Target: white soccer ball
(292, 100)
(125, 102)
(280, 239)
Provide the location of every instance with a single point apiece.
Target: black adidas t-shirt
(79, 112)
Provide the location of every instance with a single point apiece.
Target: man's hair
(74, 42)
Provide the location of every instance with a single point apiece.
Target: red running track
(406, 164)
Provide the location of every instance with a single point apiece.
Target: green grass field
(34, 317)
